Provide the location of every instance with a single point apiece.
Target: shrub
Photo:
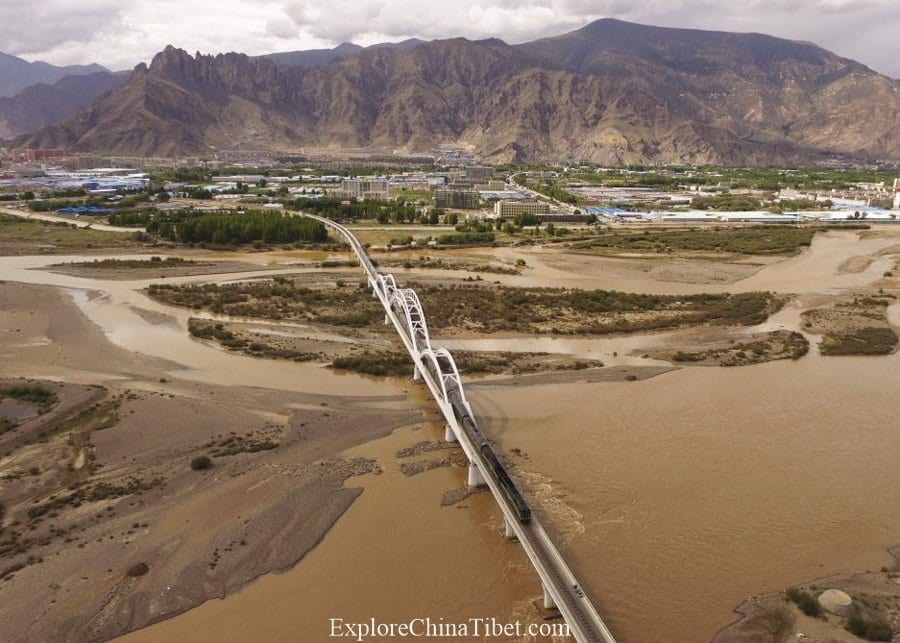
(805, 601)
(874, 630)
(201, 462)
(809, 605)
(138, 570)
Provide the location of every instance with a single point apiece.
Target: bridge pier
(475, 477)
(508, 532)
(387, 319)
(417, 374)
(449, 435)
(549, 603)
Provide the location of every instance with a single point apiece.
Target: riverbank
(138, 505)
(797, 613)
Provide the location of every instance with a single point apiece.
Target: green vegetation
(548, 188)
(465, 239)
(730, 202)
(490, 310)
(103, 490)
(118, 264)
(206, 329)
(277, 299)
(870, 628)
(18, 234)
(138, 570)
(201, 462)
(238, 228)
(748, 240)
(860, 341)
(398, 364)
(384, 363)
(855, 326)
(235, 443)
(595, 312)
(805, 601)
(40, 397)
(398, 211)
(775, 345)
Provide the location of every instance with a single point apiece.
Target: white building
(504, 209)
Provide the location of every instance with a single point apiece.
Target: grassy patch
(872, 628)
(856, 326)
(277, 299)
(398, 364)
(104, 490)
(118, 264)
(861, 341)
(749, 240)
(235, 443)
(29, 233)
(206, 329)
(590, 312)
(383, 363)
(40, 397)
(464, 308)
(776, 345)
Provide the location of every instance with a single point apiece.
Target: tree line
(236, 228)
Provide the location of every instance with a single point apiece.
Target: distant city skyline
(120, 35)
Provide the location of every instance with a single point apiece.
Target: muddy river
(677, 496)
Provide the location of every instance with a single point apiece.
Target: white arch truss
(407, 301)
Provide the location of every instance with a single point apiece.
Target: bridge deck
(584, 621)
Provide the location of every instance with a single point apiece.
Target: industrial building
(507, 209)
(462, 199)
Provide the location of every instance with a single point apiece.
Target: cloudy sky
(120, 34)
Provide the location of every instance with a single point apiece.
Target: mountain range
(611, 92)
(43, 104)
(17, 74)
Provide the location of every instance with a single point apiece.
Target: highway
(437, 369)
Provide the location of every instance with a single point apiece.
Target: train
(507, 486)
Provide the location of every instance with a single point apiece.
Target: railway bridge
(437, 369)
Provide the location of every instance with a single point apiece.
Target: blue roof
(91, 209)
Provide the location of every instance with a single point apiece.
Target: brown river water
(675, 497)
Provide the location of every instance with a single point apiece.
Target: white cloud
(121, 34)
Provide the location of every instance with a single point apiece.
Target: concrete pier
(475, 477)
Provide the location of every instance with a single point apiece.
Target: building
(490, 186)
(479, 172)
(509, 209)
(462, 199)
(363, 189)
